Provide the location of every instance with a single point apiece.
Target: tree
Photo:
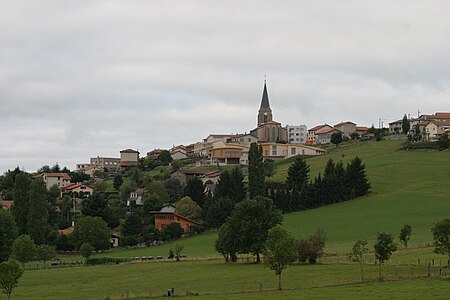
(92, 230)
(354, 135)
(269, 167)
(252, 220)
(255, 171)
(117, 182)
(131, 229)
(384, 248)
(37, 223)
(443, 142)
(8, 233)
(45, 253)
(173, 231)
(152, 202)
(165, 157)
(405, 235)
(24, 249)
(279, 251)
(21, 201)
(158, 188)
(227, 243)
(298, 174)
(405, 125)
(217, 210)
(312, 248)
(336, 138)
(357, 254)
(96, 206)
(188, 209)
(10, 273)
(231, 185)
(86, 250)
(177, 250)
(356, 181)
(441, 236)
(195, 190)
(174, 188)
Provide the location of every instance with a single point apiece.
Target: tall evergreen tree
(356, 178)
(195, 189)
(96, 206)
(38, 227)
(298, 174)
(21, 201)
(405, 124)
(256, 176)
(131, 229)
(231, 185)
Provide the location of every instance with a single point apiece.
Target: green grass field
(407, 187)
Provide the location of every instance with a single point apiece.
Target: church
(268, 130)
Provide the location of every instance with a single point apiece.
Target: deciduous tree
(187, 208)
(405, 234)
(24, 249)
(384, 248)
(8, 233)
(45, 253)
(10, 273)
(441, 236)
(279, 251)
(92, 230)
(357, 254)
(336, 138)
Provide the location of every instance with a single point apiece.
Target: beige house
(108, 164)
(283, 151)
(434, 129)
(396, 126)
(76, 190)
(178, 152)
(312, 133)
(361, 130)
(51, 179)
(346, 128)
(129, 158)
(228, 154)
(323, 136)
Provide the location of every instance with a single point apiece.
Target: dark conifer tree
(298, 174)
(20, 208)
(256, 175)
(37, 223)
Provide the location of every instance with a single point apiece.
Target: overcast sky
(85, 78)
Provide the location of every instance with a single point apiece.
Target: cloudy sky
(85, 78)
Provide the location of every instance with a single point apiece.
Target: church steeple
(264, 113)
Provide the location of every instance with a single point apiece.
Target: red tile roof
(362, 128)
(318, 127)
(343, 123)
(327, 131)
(7, 204)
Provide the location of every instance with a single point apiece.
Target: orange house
(167, 216)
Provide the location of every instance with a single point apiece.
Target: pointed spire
(265, 99)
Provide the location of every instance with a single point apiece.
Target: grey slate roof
(265, 99)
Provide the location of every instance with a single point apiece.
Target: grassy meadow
(408, 187)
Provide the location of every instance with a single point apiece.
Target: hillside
(407, 187)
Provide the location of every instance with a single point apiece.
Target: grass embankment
(408, 187)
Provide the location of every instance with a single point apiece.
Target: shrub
(93, 261)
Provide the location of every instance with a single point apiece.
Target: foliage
(251, 220)
(312, 248)
(64, 243)
(97, 206)
(152, 202)
(37, 223)
(24, 249)
(336, 138)
(357, 254)
(354, 135)
(131, 229)
(384, 247)
(79, 177)
(8, 233)
(441, 236)
(405, 234)
(170, 255)
(255, 171)
(10, 273)
(231, 185)
(227, 243)
(174, 189)
(405, 125)
(279, 251)
(45, 253)
(86, 250)
(158, 188)
(165, 157)
(117, 182)
(443, 142)
(93, 261)
(195, 190)
(217, 210)
(92, 230)
(187, 208)
(172, 231)
(269, 167)
(177, 250)
(20, 208)
(298, 174)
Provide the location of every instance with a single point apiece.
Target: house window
(293, 150)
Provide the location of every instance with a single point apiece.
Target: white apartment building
(297, 134)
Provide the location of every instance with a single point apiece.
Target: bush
(420, 145)
(173, 231)
(93, 261)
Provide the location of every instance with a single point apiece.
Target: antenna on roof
(265, 77)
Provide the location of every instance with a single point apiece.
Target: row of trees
(336, 184)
